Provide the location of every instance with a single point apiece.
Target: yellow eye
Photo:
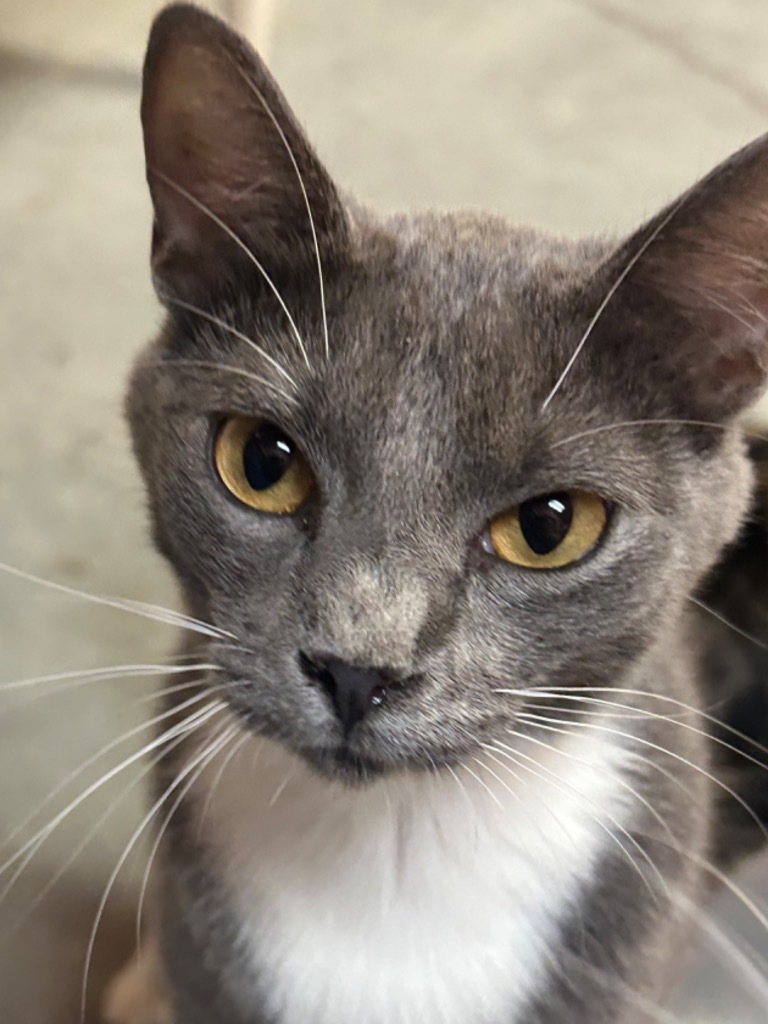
(261, 466)
(550, 531)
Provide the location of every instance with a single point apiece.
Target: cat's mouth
(347, 765)
(374, 747)
(345, 762)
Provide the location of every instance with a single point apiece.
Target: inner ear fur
(226, 156)
(693, 308)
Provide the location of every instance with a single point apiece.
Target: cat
(459, 509)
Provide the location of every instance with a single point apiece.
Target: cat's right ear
(687, 296)
(234, 182)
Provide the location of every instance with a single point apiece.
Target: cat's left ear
(232, 176)
(690, 313)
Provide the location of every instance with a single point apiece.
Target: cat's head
(399, 458)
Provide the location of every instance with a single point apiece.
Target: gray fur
(447, 334)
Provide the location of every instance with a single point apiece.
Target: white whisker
(167, 691)
(198, 763)
(711, 299)
(257, 92)
(85, 765)
(633, 755)
(280, 789)
(732, 626)
(582, 694)
(636, 795)
(452, 772)
(749, 972)
(89, 836)
(103, 674)
(611, 292)
(204, 364)
(519, 758)
(612, 981)
(218, 322)
(230, 734)
(241, 245)
(664, 422)
(493, 774)
(189, 723)
(237, 747)
(481, 781)
(662, 750)
(148, 611)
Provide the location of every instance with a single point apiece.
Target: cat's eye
(262, 466)
(550, 531)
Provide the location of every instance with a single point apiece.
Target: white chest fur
(419, 900)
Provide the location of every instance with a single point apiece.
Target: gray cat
(446, 493)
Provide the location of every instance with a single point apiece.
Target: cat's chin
(342, 763)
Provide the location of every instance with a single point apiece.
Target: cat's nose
(353, 691)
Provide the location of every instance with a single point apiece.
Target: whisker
(193, 719)
(490, 751)
(167, 691)
(711, 298)
(612, 981)
(477, 760)
(89, 836)
(85, 765)
(726, 622)
(725, 880)
(218, 322)
(482, 782)
(750, 971)
(639, 713)
(231, 735)
(643, 713)
(219, 776)
(749, 306)
(281, 789)
(40, 839)
(148, 611)
(611, 292)
(634, 755)
(662, 750)
(204, 364)
(664, 422)
(103, 674)
(268, 110)
(701, 862)
(578, 696)
(579, 760)
(452, 772)
(722, 878)
(241, 245)
(558, 785)
(197, 765)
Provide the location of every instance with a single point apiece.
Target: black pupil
(266, 457)
(545, 522)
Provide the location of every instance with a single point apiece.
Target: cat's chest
(420, 901)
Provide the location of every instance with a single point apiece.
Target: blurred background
(580, 115)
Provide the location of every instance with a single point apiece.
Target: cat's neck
(478, 865)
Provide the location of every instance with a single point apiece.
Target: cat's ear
(232, 176)
(692, 303)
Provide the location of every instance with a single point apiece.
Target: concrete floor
(582, 115)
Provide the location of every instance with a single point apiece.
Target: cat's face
(378, 514)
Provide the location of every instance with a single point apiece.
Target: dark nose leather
(352, 690)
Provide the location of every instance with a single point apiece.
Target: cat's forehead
(443, 339)
(461, 312)
(443, 266)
